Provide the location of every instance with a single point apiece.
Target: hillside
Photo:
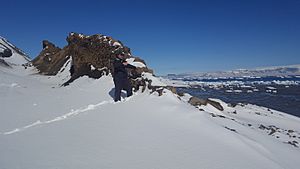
(46, 125)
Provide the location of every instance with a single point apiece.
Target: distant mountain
(10, 54)
(278, 71)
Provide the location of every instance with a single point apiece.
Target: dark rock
(262, 127)
(293, 143)
(213, 115)
(230, 129)
(6, 53)
(3, 63)
(181, 94)
(217, 105)
(195, 101)
(272, 131)
(221, 116)
(198, 102)
(232, 104)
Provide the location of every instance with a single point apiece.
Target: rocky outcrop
(6, 53)
(51, 59)
(91, 56)
(195, 101)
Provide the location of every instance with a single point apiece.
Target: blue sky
(172, 36)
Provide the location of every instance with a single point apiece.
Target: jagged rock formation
(198, 102)
(91, 56)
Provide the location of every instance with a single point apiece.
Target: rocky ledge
(91, 56)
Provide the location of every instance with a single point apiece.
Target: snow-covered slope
(291, 70)
(44, 126)
(18, 57)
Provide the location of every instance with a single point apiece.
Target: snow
(93, 67)
(63, 74)
(43, 125)
(154, 80)
(271, 88)
(116, 44)
(81, 35)
(135, 63)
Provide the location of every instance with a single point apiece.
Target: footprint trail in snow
(66, 116)
(60, 118)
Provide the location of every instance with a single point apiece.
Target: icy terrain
(46, 126)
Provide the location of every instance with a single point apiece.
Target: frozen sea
(278, 93)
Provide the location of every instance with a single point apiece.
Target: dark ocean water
(286, 98)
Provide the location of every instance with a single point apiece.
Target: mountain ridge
(288, 70)
(14, 55)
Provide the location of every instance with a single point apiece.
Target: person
(120, 76)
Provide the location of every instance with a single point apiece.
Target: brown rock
(87, 52)
(198, 102)
(195, 101)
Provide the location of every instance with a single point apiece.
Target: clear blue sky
(172, 36)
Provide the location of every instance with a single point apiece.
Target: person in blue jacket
(120, 76)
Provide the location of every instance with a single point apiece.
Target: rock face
(198, 102)
(50, 60)
(91, 55)
(6, 53)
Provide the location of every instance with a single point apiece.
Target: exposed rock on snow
(96, 50)
(198, 102)
(11, 55)
(3, 63)
(49, 61)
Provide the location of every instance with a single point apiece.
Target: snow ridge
(18, 56)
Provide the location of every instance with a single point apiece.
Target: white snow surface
(117, 44)
(155, 81)
(135, 63)
(45, 126)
